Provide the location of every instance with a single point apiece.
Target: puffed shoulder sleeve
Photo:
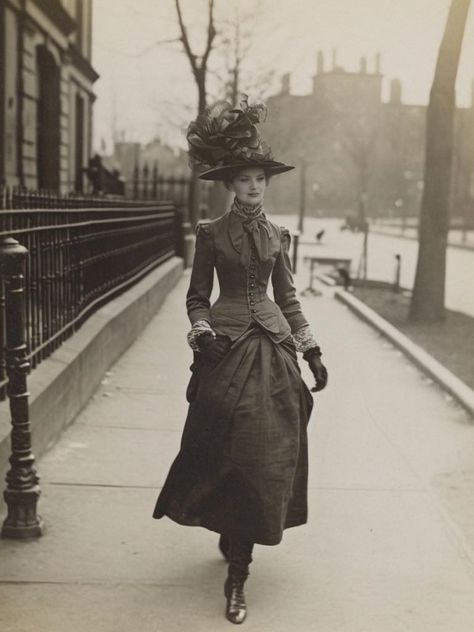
(202, 276)
(283, 287)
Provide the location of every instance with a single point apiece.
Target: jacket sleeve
(283, 287)
(202, 277)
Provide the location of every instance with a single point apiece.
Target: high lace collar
(247, 211)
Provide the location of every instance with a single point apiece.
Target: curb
(377, 231)
(63, 384)
(440, 374)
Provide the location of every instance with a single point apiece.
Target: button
(254, 311)
(252, 285)
(252, 276)
(252, 302)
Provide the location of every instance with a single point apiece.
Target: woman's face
(249, 185)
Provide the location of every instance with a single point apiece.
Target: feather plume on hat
(225, 138)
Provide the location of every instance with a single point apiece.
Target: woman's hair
(234, 173)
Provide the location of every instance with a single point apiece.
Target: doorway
(48, 120)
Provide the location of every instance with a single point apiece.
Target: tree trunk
(428, 293)
(195, 197)
(199, 71)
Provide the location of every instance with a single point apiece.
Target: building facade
(46, 93)
(350, 147)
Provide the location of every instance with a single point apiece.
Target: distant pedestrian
(243, 464)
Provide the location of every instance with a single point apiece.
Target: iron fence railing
(148, 184)
(81, 252)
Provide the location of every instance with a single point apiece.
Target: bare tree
(428, 293)
(199, 68)
(199, 64)
(237, 39)
(360, 139)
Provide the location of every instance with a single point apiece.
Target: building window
(79, 143)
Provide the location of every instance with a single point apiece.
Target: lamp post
(315, 190)
(22, 491)
(302, 208)
(400, 206)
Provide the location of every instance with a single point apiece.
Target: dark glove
(213, 348)
(313, 358)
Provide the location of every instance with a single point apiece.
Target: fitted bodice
(243, 281)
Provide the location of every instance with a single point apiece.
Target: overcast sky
(147, 90)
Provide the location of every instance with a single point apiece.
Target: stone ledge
(440, 374)
(63, 384)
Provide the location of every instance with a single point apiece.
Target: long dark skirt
(243, 464)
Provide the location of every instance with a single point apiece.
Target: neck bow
(256, 232)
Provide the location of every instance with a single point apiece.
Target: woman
(242, 467)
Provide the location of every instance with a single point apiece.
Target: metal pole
(302, 196)
(296, 239)
(398, 268)
(22, 491)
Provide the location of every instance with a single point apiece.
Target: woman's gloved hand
(313, 358)
(213, 348)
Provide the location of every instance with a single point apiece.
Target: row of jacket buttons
(251, 294)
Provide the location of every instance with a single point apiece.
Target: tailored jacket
(243, 271)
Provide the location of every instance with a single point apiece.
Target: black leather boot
(236, 609)
(240, 553)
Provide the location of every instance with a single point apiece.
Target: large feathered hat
(224, 139)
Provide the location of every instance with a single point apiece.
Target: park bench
(338, 262)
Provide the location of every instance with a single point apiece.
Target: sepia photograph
(236, 315)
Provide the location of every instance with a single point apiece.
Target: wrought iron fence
(148, 184)
(82, 252)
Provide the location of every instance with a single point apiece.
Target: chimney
(320, 63)
(377, 64)
(395, 91)
(363, 65)
(285, 84)
(334, 58)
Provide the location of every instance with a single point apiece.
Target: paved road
(388, 548)
(381, 261)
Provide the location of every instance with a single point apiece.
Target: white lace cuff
(199, 328)
(304, 339)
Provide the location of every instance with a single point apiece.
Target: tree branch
(185, 40)
(211, 33)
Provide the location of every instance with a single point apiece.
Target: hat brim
(271, 167)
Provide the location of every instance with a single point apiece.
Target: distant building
(168, 161)
(348, 145)
(46, 93)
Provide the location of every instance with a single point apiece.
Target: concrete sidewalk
(388, 548)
